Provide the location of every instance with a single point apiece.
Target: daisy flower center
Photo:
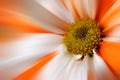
(82, 37)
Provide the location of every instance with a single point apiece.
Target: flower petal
(79, 70)
(69, 4)
(111, 39)
(91, 69)
(30, 44)
(111, 18)
(13, 22)
(113, 34)
(80, 8)
(91, 8)
(102, 71)
(30, 73)
(57, 8)
(21, 54)
(86, 8)
(54, 70)
(103, 7)
(39, 14)
(110, 53)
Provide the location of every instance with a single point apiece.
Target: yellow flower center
(82, 37)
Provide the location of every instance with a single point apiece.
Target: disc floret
(82, 37)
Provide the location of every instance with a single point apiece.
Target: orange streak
(110, 52)
(103, 7)
(109, 21)
(11, 24)
(19, 23)
(63, 2)
(28, 75)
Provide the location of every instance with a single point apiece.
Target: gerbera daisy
(59, 40)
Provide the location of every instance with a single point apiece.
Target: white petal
(91, 69)
(55, 68)
(39, 14)
(90, 7)
(115, 32)
(102, 70)
(17, 56)
(80, 8)
(113, 35)
(64, 67)
(111, 39)
(79, 70)
(56, 7)
(69, 4)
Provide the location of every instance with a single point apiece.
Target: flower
(59, 40)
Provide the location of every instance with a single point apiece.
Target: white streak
(18, 56)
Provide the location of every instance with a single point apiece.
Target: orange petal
(10, 19)
(111, 18)
(28, 75)
(50, 22)
(103, 7)
(18, 23)
(110, 52)
(12, 24)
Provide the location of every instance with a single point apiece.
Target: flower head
(59, 40)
